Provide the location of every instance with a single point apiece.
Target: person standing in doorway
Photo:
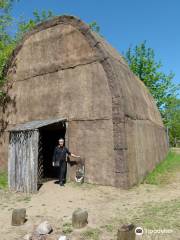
(60, 153)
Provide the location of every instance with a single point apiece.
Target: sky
(124, 23)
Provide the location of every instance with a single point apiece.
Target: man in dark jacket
(59, 155)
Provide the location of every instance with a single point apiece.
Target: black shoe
(61, 184)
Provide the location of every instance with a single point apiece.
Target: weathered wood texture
(23, 160)
(126, 232)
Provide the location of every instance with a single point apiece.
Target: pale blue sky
(124, 23)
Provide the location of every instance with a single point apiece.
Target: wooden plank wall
(23, 161)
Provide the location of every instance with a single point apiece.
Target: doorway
(31, 147)
(48, 140)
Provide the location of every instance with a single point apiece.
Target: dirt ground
(148, 206)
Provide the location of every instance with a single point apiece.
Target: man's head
(61, 142)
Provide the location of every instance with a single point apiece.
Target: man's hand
(76, 156)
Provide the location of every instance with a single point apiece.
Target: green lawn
(159, 215)
(164, 171)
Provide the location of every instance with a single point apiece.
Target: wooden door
(23, 161)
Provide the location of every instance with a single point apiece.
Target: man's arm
(72, 154)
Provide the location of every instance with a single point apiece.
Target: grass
(159, 215)
(164, 171)
(3, 180)
(67, 228)
(109, 228)
(150, 215)
(91, 234)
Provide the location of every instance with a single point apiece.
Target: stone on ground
(18, 216)
(28, 236)
(62, 238)
(79, 218)
(44, 228)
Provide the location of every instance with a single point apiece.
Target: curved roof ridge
(65, 19)
(107, 56)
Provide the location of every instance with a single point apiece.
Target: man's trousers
(62, 171)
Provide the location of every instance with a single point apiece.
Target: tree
(141, 61)
(8, 42)
(94, 26)
(171, 116)
(25, 26)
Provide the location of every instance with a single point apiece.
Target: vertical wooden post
(126, 232)
(67, 144)
(11, 162)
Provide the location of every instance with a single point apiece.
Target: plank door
(23, 161)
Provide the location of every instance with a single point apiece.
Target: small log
(126, 232)
(18, 216)
(79, 218)
(39, 237)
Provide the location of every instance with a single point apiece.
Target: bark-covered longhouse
(64, 70)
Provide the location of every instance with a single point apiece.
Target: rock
(28, 236)
(62, 238)
(43, 228)
(79, 218)
(18, 216)
(126, 232)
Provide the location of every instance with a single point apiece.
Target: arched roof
(130, 97)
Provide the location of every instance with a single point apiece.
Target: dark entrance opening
(48, 140)
(31, 147)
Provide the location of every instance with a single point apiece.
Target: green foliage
(6, 5)
(5, 52)
(3, 180)
(141, 61)
(67, 228)
(94, 26)
(91, 234)
(164, 170)
(25, 26)
(171, 117)
(8, 42)
(108, 227)
(5, 19)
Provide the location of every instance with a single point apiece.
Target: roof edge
(62, 19)
(35, 124)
